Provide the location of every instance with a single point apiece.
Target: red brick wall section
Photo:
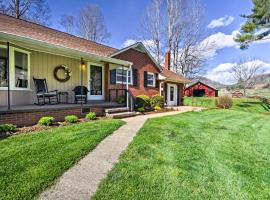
(209, 92)
(31, 117)
(141, 62)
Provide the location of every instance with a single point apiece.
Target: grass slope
(245, 104)
(214, 154)
(30, 163)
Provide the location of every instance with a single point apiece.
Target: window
(171, 93)
(3, 67)
(150, 79)
(21, 69)
(122, 75)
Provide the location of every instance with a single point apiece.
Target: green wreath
(65, 76)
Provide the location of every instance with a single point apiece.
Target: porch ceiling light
(83, 66)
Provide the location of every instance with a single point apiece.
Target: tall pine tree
(257, 26)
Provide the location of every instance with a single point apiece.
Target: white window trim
(154, 79)
(12, 81)
(12, 70)
(131, 76)
(3, 47)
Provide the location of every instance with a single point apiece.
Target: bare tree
(91, 24)
(244, 72)
(36, 11)
(151, 28)
(68, 23)
(178, 25)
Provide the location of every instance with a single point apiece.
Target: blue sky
(122, 18)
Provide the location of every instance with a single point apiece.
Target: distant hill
(209, 82)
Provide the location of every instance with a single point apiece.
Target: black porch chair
(80, 93)
(43, 95)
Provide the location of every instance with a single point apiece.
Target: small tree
(244, 72)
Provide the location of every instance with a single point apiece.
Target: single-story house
(200, 89)
(31, 52)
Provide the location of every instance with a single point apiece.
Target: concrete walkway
(82, 180)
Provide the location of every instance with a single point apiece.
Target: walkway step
(116, 110)
(122, 115)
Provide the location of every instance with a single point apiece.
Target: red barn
(200, 89)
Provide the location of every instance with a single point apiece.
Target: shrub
(141, 109)
(142, 101)
(120, 100)
(157, 100)
(91, 116)
(224, 102)
(71, 119)
(7, 128)
(46, 121)
(157, 108)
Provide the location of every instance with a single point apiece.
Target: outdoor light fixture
(83, 66)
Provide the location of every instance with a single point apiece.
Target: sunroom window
(21, 69)
(122, 75)
(3, 67)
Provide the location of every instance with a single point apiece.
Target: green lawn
(213, 154)
(30, 163)
(245, 104)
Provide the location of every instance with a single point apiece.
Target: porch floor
(34, 107)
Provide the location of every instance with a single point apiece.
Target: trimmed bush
(157, 108)
(224, 102)
(91, 116)
(141, 109)
(142, 101)
(157, 100)
(120, 100)
(7, 128)
(71, 119)
(46, 121)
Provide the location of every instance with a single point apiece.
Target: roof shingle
(34, 31)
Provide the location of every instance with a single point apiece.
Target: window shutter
(145, 78)
(156, 78)
(113, 76)
(135, 77)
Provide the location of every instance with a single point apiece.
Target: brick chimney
(167, 61)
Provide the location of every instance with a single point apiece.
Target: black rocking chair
(43, 95)
(80, 93)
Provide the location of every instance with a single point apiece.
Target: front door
(96, 82)
(172, 95)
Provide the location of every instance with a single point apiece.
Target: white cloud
(223, 72)
(223, 21)
(219, 41)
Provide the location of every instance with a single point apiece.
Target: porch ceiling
(41, 46)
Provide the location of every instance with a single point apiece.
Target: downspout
(8, 76)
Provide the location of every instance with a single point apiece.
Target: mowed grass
(213, 154)
(30, 163)
(240, 104)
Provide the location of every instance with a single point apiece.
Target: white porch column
(127, 86)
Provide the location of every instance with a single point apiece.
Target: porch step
(122, 115)
(116, 110)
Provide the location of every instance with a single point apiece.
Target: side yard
(213, 154)
(241, 104)
(30, 163)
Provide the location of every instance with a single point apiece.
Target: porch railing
(114, 94)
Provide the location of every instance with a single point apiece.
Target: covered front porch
(25, 60)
